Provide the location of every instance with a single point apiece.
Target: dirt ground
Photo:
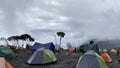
(64, 60)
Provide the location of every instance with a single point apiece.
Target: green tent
(87, 47)
(6, 53)
(96, 49)
(42, 56)
(91, 60)
(93, 47)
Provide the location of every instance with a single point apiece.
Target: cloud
(79, 19)
(10, 20)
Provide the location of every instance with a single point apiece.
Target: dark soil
(64, 60)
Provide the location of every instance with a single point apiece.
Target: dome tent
(105, 50)
(106, 57)
(113, 51)
(6, 53)
(4, 63)
(91, 60)
(37, 45)
(42, 56)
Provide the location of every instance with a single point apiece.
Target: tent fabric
(4, 63)
(37, 45)
(42, 56)
(119, 50)
(6, 53)
(71, 50)
(92, 47)
(96, 49)
(105, 50)
(106, 57)
(86, 61)
(81, 48)
(113, 50)
(100, 50)
(87, 47)
(48, 56)
(91, 60)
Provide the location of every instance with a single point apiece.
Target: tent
(87, 47)
(6, 53)
(105, 50)
(113, 52)
(4, 63)
(91, 60)
(100, 50)
(119, 51)
(92, 47)
(106, 57)
(72, 50)
(49, 46)
(81, 48)
(96, 49)
(42, 56)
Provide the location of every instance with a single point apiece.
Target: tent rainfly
(91, 60)
(42, 56)
(4, 63)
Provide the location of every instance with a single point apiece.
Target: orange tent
(106, 57)
(72, 50)
(4, 63)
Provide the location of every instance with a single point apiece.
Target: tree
(14, 38)
(31, 39)
(24, 37)
(27, 38)
(61, 35)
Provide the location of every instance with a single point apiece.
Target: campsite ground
(64, 60)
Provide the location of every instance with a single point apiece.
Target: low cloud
(80, 20)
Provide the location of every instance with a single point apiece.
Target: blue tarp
(49, 46)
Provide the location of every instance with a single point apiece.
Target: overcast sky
(79, 19)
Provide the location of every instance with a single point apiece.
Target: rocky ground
(64, 60)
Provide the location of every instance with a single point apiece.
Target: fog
(81, 20)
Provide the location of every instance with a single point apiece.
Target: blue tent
(49, 46)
